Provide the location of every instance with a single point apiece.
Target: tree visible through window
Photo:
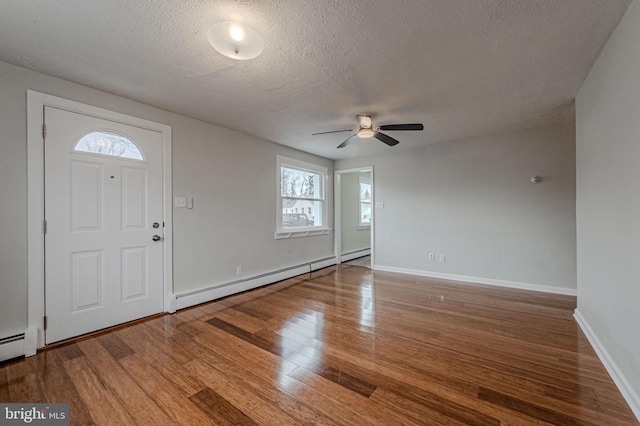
(110, 144)
(301, 195)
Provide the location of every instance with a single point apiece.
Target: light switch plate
(180, 202)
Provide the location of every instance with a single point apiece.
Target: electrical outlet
(432, 257)
(441, 258)
(238, 270)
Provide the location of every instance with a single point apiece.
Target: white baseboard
(627, 391)
(479, 280)
(222, 290)
(354, 255)
(12, 348)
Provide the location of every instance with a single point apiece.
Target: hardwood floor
(344, 345)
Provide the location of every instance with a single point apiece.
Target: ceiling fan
(366, 130)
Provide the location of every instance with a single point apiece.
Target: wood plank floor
(344, 345)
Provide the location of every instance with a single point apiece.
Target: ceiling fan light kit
(235, 40)
(366, 131)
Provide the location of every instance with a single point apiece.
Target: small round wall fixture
(536, 179)
(235, 40)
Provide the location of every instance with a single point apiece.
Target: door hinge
(46, 322)
(44, 131)
(44, 226)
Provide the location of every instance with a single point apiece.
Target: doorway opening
(354, 216)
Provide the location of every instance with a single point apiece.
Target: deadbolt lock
(156, 225)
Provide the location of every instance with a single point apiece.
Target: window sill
(280, 235)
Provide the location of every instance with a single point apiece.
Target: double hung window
(301, 204)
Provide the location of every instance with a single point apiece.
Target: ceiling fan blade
(333, 131)
(414, 126)
(348, 141)
(386, 139)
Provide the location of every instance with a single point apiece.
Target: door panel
(102, 267)
(134, 194)
(87, 280)
(86, 196)
(134, 268)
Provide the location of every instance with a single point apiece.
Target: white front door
(103, 211)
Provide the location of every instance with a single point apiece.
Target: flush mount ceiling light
(235, 40)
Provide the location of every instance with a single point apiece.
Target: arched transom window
(110, 144)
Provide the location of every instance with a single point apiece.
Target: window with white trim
(365, 202)
(301, 207)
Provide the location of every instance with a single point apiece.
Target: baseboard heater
(345, 257)
(11, 347)
(216, 292)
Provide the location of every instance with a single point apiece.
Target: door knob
(156, 238)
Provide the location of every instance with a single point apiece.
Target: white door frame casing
(36, 101)
(337, 217)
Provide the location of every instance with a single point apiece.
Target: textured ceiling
(464, 68)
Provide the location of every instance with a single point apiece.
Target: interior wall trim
(479, 280)
(625, 388)
(187, 300)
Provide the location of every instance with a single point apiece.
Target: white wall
(232, 178)
(353, 238)
(13, 204)
(608, 202)
(230, 175)
(472, 200)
